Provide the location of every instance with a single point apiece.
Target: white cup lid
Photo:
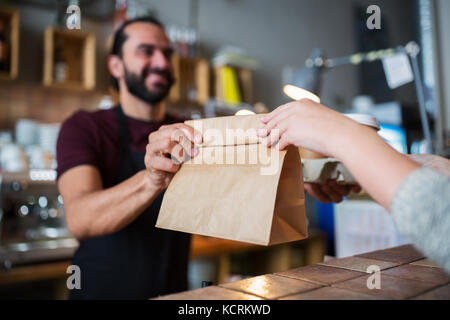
(365, 119)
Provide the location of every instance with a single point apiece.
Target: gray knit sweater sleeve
(421, 211)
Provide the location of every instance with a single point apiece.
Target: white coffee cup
(12, 158)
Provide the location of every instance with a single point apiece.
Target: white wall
(284, 32)
(280, 33)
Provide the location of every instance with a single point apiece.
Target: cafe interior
(388, 60)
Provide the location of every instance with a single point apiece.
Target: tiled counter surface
(405, 274)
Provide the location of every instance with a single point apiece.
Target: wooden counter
(201, 247)
(279, 256)
(404, 274)
(36, 272)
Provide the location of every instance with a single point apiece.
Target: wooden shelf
(192, 80)
(10, 17)
(77, 50)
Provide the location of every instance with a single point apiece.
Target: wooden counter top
(404, 274)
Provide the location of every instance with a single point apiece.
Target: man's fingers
(314, 190)
(184, 143)
(355, 188)
(343, 190)
(159, 146)
(193, 135)
(175, 130)
(160, 163)
(177, 145)
(166, 148)
(333, 195)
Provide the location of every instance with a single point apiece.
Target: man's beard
(136, 85)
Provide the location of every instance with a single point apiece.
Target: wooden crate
(79, 53)
(192, 74)
(11, 18)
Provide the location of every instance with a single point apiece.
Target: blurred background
(231, 55)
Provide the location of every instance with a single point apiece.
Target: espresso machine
(32, 219)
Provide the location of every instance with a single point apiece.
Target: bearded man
(113, 168)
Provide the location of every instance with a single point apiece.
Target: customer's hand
(306, 124)
(315, 127)
(167, 148)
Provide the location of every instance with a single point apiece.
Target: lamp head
(306, 81)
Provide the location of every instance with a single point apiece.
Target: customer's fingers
(275, 122)
(266, 118)
(283, 143)
(314, 190)
(276, 133)
(275, 128)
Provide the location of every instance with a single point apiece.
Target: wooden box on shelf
(69, 59)
(192, 80)
(9, 43)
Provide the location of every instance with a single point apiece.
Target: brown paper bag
(237, 188)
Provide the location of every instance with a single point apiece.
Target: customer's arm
(377, 167)
(421, 211)
(417, 197)
(437, 163)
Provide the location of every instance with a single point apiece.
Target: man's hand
(331, 191)
(167, 148)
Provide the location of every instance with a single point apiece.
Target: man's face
(146, 55)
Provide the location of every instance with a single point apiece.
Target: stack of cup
(48, 136)
(26, 132)
(12, 158)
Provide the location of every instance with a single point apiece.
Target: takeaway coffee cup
(363, 119)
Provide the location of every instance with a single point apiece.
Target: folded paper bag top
(236, 188)
(228, 131)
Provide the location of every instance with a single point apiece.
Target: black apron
(139, 261)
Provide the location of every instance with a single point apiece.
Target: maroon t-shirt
(93, 138)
